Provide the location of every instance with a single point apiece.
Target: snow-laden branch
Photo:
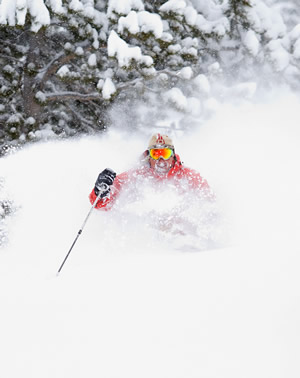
(14, 12)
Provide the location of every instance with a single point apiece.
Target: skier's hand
(104, 181)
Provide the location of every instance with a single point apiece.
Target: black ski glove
(104, 181)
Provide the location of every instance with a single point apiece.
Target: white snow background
(127, 304)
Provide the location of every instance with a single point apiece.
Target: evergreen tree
(64, 63)
(237, 13)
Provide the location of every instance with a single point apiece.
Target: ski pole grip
(103, 187)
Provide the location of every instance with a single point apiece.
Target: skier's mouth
(161, 168)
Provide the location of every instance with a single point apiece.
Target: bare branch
(10, 57)
(80, 118)
(74, 96)
(53, 66)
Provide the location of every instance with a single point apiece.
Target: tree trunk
(31, 107)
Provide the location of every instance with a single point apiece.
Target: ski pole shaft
(103, 189)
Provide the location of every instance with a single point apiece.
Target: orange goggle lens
(164, 153)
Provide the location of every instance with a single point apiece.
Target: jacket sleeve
(107, 202)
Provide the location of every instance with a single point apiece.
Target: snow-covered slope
(128, 302)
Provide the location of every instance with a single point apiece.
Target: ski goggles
(157, 153)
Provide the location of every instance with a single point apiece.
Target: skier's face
(160, 166)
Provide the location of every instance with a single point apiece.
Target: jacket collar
(177, 167)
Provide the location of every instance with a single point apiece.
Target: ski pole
(104, 187)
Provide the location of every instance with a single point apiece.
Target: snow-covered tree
(64, 63)
(49, 57)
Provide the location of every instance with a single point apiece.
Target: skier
(159, 163)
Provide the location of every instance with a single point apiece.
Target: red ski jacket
(177, 173)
